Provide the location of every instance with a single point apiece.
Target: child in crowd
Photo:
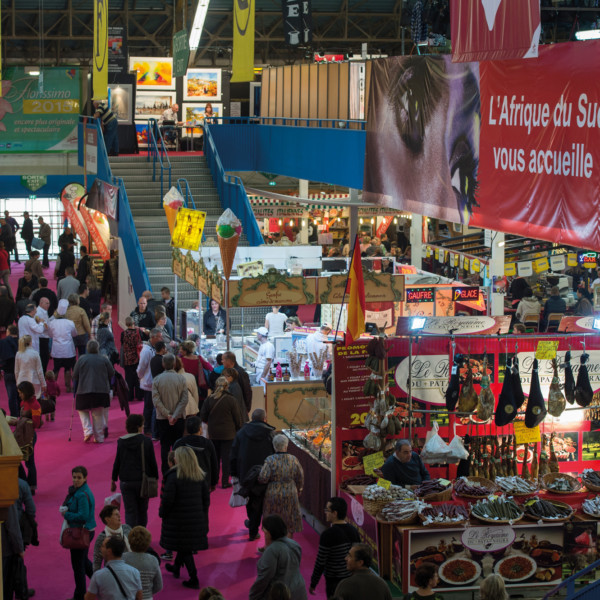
(53, 391)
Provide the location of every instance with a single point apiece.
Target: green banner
(181, 53)
(36, 118)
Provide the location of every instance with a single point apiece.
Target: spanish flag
(356, 303)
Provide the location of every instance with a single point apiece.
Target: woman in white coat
(62, 331)
(28, 366)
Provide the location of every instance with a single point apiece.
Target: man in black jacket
(8, 309)
(229, 362)
(252, 444)
(84, 267)
(27, 231)
(204, 449)
(45, 292)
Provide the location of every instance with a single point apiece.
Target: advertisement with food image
(524, 555)
(581, 542)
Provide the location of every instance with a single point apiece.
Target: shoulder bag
(149, 487)
(76, 538)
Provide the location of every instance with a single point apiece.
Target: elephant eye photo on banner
(511, 144)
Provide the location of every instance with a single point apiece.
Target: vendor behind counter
(404, 467)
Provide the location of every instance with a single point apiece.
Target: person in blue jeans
(78, 511)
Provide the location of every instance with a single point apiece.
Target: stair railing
(158, 152)
(589, 592)
(231, 191)
(126, 226)
(187, 197)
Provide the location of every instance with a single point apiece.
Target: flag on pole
(357, 303)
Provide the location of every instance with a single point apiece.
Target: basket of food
(474, 487)
(591, 480)
(560, 483)
(375, 497)
(591, 507)
(444, 515)
(434, 490)
(517, 486)
(549, 511)
(498, 510)
(399, 512)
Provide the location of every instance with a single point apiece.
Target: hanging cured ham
(467, 399)
(454, 386)
(517, 387)
(507, 406)
(556, 400)
(583, 389)
(569, 379)
(536, 407)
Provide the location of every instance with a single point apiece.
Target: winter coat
(252, 444)
(184, 513)
(93, 373)
(81, 507)
(206, 455)
(279, 562)
(128, 461)
(222, 415)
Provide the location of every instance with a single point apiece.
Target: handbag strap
(118, 581)
(143, 459)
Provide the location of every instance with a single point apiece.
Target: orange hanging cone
(228, 246)
(171, 217)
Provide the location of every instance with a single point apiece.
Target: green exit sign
(181, 53)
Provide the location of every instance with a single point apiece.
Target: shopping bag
(435, 449)
(236, 500)
(37, 243)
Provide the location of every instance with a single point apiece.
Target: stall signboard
(587, 258)
(577, 324)
(195, 272)
(273, 289)
(473, 325)
(379, 287)
(274, 212)
(524, 555)
(419, 295)
(352, 406)
(462, 294)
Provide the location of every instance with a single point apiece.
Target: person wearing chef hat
(266, 354)
(315, 343)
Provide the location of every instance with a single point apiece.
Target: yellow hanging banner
(100, 50)
(436, 253)
(466, 264)
(510, 269)
(243, 41)
(189, 225)
(572, 259)
(541, 265)
(475, 266)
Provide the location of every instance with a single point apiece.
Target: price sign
(540, 265)
(475, 266)
(510, 269)
(546, 350)
(525, 435)
(373, 461)
(466, 264)
(384, 483)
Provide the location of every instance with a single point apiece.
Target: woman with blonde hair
(222, 414)
(184, 503)
(28, 366)
(492, 588)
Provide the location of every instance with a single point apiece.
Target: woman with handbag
(193, 363)
(222, 414)
(78, 512)
(106, 339)
(184, 503)
(135, 456)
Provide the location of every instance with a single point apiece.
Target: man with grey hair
(404, 467)
(252, 444)
(68, 285)
(31, 324)
(170, 397)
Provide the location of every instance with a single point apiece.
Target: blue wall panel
(12, 187)
(328, 155)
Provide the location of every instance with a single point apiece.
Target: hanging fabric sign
(297, 21)
(243, 41)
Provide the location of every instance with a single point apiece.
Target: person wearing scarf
(111, 517)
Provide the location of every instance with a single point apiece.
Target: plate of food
(352, 462)
(459, 571)
(516, 568)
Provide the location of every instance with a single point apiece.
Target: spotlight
(417, 323)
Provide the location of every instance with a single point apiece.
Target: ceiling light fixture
(198, 25)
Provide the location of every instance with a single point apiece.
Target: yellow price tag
(546, 350)
(572, 259)
(444, 482)
(384, 483)
(510, 269)
(436, 253)
(524, 435)
(475, 266)
(373, 461)
(466, 264)
(427, 251)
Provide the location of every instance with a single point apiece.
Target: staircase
(149, 217)
(145, 201)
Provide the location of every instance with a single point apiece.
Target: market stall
(530, 468)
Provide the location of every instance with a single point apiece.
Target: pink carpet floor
(230, 562)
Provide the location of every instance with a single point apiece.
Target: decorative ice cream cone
(171, 217)
(228, 246)
(229, 229)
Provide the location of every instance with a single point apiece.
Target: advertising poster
(448, 139)
(525, 555)
(39, 118)
(153, 73)
(117, 50)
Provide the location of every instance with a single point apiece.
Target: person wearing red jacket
(30, 409)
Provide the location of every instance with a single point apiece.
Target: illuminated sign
(419, 295)
(462, 294)
(587, 258)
